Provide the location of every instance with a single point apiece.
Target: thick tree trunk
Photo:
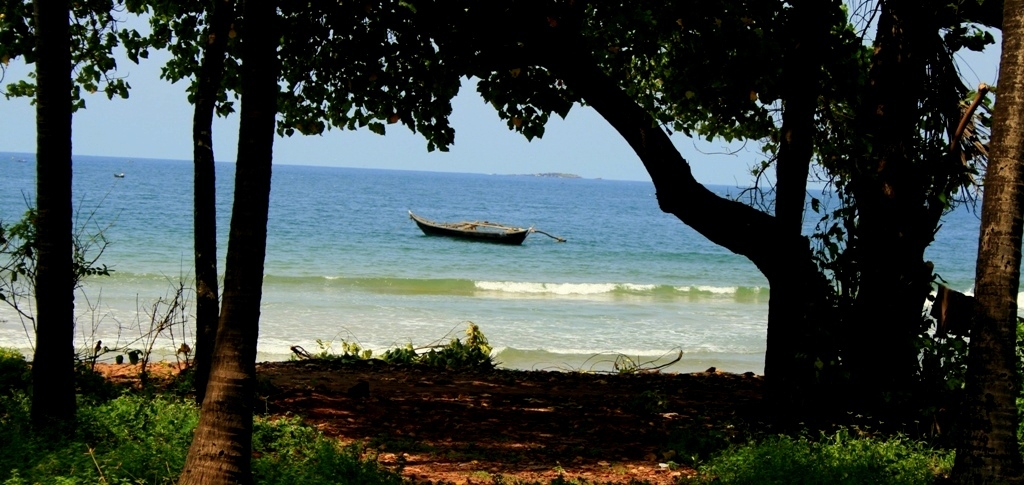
(205, 191)
(53, 390)
(781, 253)
(895, 222)
(989, 450)
(221, 449)
(795, 314)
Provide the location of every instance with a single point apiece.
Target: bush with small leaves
(836, 459)
(14, 371)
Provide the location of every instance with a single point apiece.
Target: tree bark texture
(53, 390)
(988, 452)
(205, 191)
(222, 446)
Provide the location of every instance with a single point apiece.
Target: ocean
(345, 263)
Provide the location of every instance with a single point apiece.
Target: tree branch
(730, 224)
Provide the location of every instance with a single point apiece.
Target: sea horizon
(86, 158)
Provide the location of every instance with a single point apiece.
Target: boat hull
(471, 231)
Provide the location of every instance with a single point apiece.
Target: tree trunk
(800, 102)
(205, 191)
(782, 254)
(222, 446)
(53, 389)
(794, 316)
(988, 452)
(895, 218)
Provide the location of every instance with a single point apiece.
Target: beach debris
(301, 352)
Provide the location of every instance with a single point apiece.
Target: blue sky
(156, 122)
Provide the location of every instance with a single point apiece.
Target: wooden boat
(476, 230)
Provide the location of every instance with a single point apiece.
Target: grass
(286, 451)
(143, 440)
(832, 460)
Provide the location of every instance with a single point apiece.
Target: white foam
(552, 288)
(718, 290)
(566, 289)
(635, 287)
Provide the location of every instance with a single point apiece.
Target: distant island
(556, 175)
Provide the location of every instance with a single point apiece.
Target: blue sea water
(344, 262)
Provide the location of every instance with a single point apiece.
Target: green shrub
(142, 437)
(458, 355)
(136, 439)
(473, 353)
(350, 352)
(695, 446)
(287, 452)
(16, 444)
(128, 440)
(14, 371)
(400, 355)
(833, 460)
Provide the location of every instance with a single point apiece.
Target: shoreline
(534, 360)
(169, 367)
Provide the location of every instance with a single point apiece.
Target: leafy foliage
(137, 439)
(680, 61)
(364, 66)
(289, 451)
(694, 448)
(14, 372)
(355, 66)
(94, 36)
(17, 244)
(159, 427)
(474, 353)
(129, 439)
(836, 459)
(181, 29)
(350, 351)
